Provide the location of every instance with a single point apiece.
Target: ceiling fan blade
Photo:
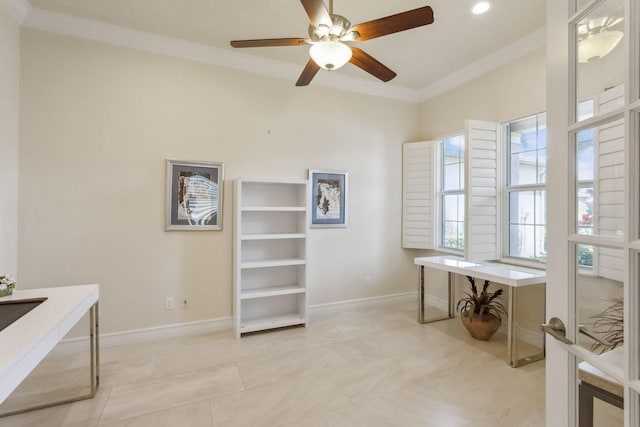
(309, 72)
(270, 42)
(394, 23)
(371, 65)
(317, 11)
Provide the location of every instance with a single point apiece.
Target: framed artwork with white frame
(328, 198)
(194, 195)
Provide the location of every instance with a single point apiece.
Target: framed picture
(328, 198)
(194, 195)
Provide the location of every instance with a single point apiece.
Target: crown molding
(518, 49)
(116, 35)
(68, 25)
(17, 9)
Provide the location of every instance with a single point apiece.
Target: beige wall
(511, 92)
(98, 123)
(9, 101)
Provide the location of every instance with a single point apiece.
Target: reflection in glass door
(600, 396)
(601, 58)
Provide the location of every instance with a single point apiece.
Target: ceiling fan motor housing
(339, 29)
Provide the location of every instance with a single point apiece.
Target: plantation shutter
(481, 191)
(418, 201)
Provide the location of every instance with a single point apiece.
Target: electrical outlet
(184, 303)
(367, 281)
(168, 303)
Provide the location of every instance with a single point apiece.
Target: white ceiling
(421, 57)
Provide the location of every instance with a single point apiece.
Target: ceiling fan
(328, 34)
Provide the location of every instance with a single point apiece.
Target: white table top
(24, 343)
(506, 274)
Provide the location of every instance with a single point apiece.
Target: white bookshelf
(270, 250)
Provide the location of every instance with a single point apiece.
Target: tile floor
(373, 367)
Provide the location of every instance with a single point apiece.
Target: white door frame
(557, 301)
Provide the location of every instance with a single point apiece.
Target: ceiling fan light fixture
(481, 7)
(597, 45)
(330, 54)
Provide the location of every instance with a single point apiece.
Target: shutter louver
(417, 195)
(481, 191)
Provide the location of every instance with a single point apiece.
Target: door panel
(593, 82)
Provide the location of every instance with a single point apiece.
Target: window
(452, 193)
(526, 187)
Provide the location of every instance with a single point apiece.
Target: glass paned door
(593, 222)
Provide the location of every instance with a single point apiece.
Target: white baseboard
(214, 325)
(137, 336)
(530, 337)
(358, 304)
(439, 303)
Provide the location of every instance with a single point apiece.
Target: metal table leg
(512, 334)
(450, 295)
(94, 355)
(422, 294)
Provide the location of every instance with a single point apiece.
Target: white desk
(27, 341)
(512, 276)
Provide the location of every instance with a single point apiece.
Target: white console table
(513, 276)
(24, 343)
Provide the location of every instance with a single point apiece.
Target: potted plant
(481, 313)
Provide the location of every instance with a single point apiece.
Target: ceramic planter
(481, 327)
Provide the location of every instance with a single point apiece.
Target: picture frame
(329, 191)
(194, 195)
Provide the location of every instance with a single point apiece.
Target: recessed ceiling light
(481, 7)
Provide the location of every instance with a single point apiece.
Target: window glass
(599, 302)
(585, 158)
(453, 161)
(600, 62)
(585, 109)
(600, 163)
(585, 210)
(453, 221)
(452, 193)
(526, 179)
(585, 155)
(528, 154)
(527, 224)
